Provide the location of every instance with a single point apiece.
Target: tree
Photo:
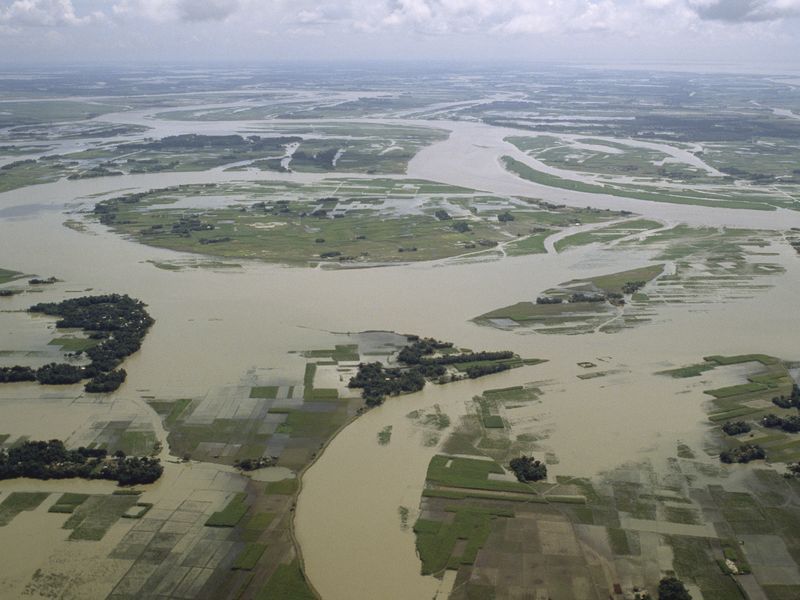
(671, 588)
(527, 468)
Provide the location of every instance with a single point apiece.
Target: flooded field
(239, 347)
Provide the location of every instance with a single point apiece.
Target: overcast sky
(615, 31)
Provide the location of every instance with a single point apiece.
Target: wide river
(212, 327)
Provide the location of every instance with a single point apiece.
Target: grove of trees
(52, 460)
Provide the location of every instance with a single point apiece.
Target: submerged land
(472, 334)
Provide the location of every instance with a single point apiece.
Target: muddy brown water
(213, 327)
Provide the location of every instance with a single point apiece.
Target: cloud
(191, 11)
(518, 18)
(207, 10)
(742, 11)
(44, 13)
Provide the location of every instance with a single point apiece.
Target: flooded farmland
(243, 351)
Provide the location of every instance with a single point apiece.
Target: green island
(698, 265)
(115, 325)
(731, 198)
(578, 306)
(429, 359)
(338, 221)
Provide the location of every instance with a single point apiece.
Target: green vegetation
(285, 487)
(286, 583)
(17, 502)
(436, 540)
(459, 472)
(385, 435)
(231, 514)
(606, 234)
(341, 353)
(693, 561)
(690, 371)
(618, 540)
(6, 275)
(92, 519)
(68, 502)
(696, 198)
(269, 391)
(249, 556)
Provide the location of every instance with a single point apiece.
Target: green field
(731, 199)
(231, 514)
(249, 556)
(6, 275)
(286, 583)
(17, 502)
(606, 234)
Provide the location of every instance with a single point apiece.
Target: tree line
(52, 460)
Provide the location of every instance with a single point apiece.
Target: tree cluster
(419, 365)
(736, 427)
(51, 460)
(505, 217)
(412, 354)
(17, 373)
(476, 371)
(118, 322)
(743, 454)
(455, 359)
(670, 588)
(548, 300)
(527, 468)
(377, 382)
(629, 287)
(106, 382)
(789, 424)
(581, 297)
(793, 401)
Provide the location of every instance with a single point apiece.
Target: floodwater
(213, 327)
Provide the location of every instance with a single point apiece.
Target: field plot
(580, 538)
(338, 221)
(282, 422)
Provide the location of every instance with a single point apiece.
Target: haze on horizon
(763, 33)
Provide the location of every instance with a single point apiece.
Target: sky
(759, 32)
